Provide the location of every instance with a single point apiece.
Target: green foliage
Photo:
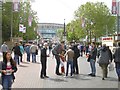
(98, 20)
(17, 18)
(60, 34)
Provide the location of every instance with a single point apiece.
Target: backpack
(56, 50)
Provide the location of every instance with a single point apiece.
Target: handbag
(111, 67)
(88, 57)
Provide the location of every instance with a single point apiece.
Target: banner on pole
(16, 5)
(21, 27)
(114, 7)
(30, 21)
(83, 22)
(24, 29)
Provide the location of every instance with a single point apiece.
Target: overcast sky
(55, 11)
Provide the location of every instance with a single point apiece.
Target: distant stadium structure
(48, 31)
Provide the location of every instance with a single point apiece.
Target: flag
(16, 5)
(30, 21)
(114, 7)
(21, 27)
(24, 29)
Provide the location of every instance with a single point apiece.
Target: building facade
(49, 30)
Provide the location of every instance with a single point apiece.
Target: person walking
(4, 48)
(70, 55)
(27, 50)
(33, 50)
(44, 61)
(56, 52)
(22, 51)
(17, 53)
(104, 60)
(8, 69)
(93, 54)
(75, 61)
(116, 57)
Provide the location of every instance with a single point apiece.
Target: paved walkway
(28, 76)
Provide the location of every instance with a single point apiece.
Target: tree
(98, 20)
(17, 18)
(74, 30)
(60, 34)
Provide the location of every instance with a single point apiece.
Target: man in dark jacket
(104, 59)
(56, 51)
(75, 62)
(17, 53)
(44, 61)
(93, 54)
(116, 57)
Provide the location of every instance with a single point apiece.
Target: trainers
(103, 78)
(71, 76)
(93, 75)
(90, 74)
(46, 76)
(65, 76)
(59, 74)
(42, 77)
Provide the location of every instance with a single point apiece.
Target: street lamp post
(11, 21)
(64, 28)
(64, 32)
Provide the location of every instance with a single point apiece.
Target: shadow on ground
(57, 80)
(22, 66)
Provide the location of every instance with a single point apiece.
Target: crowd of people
(8, 66)
(62, 53)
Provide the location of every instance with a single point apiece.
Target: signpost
(108, 41)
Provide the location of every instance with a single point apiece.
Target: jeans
(28, 57)
(21, 58)
(7, 82)
(93, 68)
(44, 67)
(75, 66)
(104, 70)
(58, 64)
(16, 58)
(118, 69)
(33, 57)
(69, 62)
